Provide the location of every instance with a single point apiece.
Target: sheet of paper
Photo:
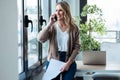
(53, 69)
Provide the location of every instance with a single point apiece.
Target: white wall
(8, 40)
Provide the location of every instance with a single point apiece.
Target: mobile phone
(55, 18)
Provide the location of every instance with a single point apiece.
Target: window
(111, 14)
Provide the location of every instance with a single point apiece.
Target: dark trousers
(67, 75)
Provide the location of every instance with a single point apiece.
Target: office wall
(8, 40)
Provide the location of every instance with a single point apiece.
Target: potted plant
(95, 23)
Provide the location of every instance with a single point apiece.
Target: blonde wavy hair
(68, 16)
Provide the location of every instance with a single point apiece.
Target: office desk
(109, 67)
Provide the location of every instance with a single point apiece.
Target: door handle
(42, 20)
(27, 21)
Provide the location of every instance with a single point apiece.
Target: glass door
(28, 53)
(31, 31)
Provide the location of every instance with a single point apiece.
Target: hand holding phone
(55, 18)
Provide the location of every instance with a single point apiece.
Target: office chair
(106, 76)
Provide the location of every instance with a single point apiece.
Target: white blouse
(62, 39)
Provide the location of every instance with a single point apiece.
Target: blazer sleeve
(44, 34)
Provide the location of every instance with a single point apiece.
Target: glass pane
(45, 9)
(45, 14)
(53, 6)
(32, 12)
(20, 42)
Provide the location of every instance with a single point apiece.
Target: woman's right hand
(52, 19)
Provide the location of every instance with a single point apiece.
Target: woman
(63, 36)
